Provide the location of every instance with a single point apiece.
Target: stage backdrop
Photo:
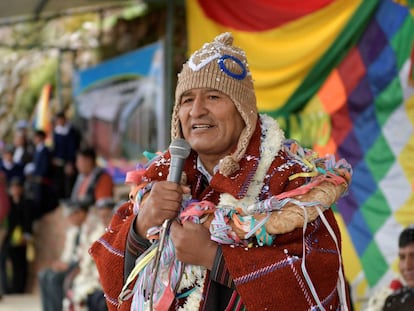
(120, 103)
(338, 76)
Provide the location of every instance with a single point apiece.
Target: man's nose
(198, 108)
(407, 264)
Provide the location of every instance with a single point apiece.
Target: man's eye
(186, 100)
(213, 97)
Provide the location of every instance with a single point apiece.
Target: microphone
(179, 151)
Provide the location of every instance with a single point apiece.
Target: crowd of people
(38, 176)
(69, 281)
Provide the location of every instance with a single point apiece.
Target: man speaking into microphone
(229, 246)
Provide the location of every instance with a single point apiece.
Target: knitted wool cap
(220, 65)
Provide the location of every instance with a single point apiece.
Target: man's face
(406, 263)
(7, 156)
(60, 121)
(77, 217)
(84, 164)
(210, 122)
(19, 139)
(37, 139)
(16, 190)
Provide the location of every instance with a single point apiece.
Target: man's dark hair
(9, 148)
(406, 236)
(87, 152)
(40, 133)
(60, 114)
(16, 180)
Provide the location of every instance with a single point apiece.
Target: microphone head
(179, 148)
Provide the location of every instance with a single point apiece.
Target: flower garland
(270, 146)
(229, 205)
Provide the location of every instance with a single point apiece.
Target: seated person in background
(92, 182)
(51, 279)
(399, 294)
(106, 209)
(83, 290)
(92, 185)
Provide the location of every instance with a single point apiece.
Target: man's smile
(201, 126)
